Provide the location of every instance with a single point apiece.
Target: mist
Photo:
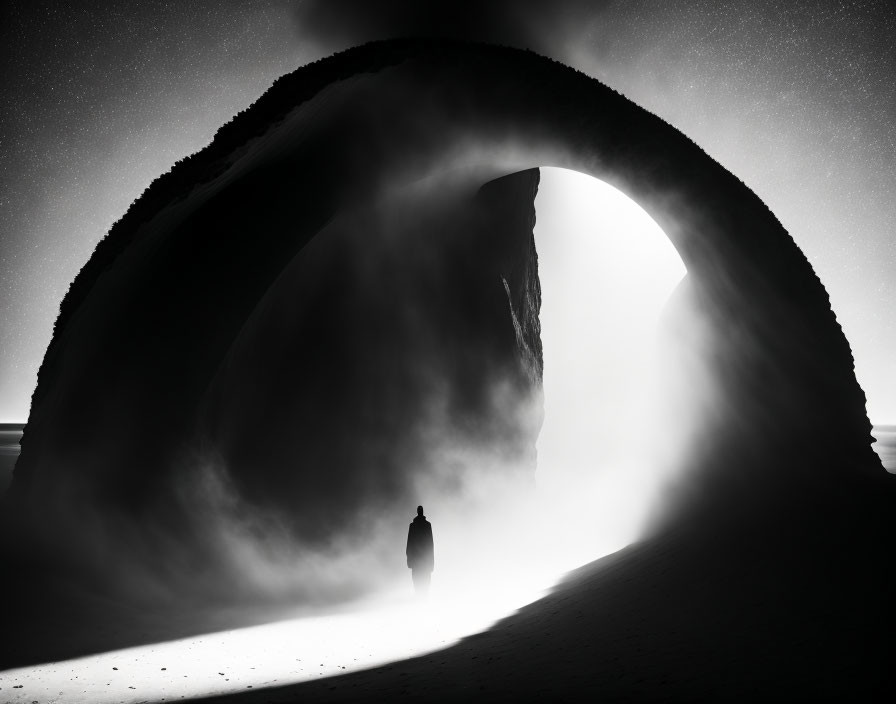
(505, 530)
(455, 422)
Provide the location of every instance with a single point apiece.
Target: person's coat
(420, 548)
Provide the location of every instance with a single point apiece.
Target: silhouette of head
(419, 510)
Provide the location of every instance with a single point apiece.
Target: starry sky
(796, 98)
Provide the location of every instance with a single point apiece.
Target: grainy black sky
(796, 98)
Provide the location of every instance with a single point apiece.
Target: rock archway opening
(182, 433)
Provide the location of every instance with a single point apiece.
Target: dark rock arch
(150, 320)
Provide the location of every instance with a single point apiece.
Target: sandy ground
(286, 651)
(287, 648)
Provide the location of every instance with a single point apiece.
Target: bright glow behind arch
(607, 270)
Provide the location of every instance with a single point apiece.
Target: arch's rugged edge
(397, 111)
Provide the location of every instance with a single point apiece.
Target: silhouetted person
(420, 552)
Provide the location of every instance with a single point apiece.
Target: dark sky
(796, 98)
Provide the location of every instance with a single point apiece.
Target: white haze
(606, 271)
(501, 536)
